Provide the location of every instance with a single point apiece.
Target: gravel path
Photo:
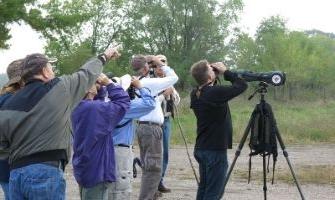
(181, 180)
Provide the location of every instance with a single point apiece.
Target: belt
(57, 163)
(149, 123)
(123, 145)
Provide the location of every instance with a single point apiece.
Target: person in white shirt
(170, 100)
(149, 130)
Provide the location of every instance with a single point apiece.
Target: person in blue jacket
(123, 138)
(14, 83)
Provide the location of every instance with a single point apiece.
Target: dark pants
(213, 167)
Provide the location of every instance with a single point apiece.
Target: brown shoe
(163, 189)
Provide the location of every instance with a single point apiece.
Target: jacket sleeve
(221, 94)
(141, 106)
(156, 85)
(101, 93)
(79, 82)
(118, 105)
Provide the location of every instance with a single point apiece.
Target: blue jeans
(166, 144)
(5, 189)
(37, 182)
(213, 167)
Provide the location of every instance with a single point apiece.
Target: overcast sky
(300, 15)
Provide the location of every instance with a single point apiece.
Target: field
(298, 122)
(307, 129)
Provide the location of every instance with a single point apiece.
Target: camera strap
(136, 94)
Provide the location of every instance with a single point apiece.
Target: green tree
(98, 25)
(11, 11)
(185, 31)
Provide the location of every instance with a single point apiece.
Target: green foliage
(308, 58)
(11, 11)
(92, 25)
(185, 31)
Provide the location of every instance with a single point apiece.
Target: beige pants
(121, 189)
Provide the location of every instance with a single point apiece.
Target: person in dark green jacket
(36, 123)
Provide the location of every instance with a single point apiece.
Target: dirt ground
(181, 180)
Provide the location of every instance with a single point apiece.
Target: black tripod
(262, 90)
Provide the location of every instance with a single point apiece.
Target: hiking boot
(163, 189)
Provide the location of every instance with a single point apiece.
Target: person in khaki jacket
(36, 123)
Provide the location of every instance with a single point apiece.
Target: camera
(131, 92)
(275, 78)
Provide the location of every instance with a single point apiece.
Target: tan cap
(124, 81)
(14, 71)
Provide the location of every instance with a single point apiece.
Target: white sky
(300, 15)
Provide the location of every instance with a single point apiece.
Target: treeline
(308, 58)
(186, 31)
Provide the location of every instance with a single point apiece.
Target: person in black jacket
(214, 126)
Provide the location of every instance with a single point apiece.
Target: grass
(316, 174)
(298, 122)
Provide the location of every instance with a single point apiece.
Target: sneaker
(163, 189)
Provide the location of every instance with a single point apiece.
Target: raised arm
(222, 94)
(79, 82)
(156, 85)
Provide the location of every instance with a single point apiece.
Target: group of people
(43, 118)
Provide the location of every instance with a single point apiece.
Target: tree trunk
(290, 91)
(324, 94)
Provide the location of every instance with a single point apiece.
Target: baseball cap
(36, 60)
(14, 71)
(124, 81)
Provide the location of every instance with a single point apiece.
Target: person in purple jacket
(93, 122)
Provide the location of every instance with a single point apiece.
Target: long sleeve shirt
(214, 126)
(157, 85)
(36, 119)
(93, 124)
(138, 107)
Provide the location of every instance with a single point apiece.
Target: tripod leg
(264, 175)
(238, 151)
(289, 164)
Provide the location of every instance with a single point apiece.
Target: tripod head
(261, 89)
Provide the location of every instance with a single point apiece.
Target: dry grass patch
(314, 174)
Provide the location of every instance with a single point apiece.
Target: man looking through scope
(214, 127)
